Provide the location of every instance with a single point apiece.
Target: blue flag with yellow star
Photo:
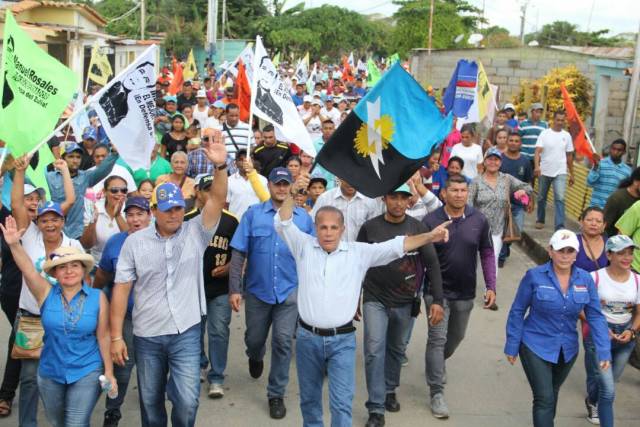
(387, 136)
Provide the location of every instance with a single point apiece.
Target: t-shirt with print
(618, 300)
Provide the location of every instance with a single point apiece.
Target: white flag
(272, 102)
(351, 61)
(313, 78)
(247, 59)
(81, 121)
(126, 108)
(302, 71)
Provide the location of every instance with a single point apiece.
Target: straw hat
(66, 254)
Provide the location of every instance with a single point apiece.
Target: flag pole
(5, 151)
(254, 88)
(86, 104)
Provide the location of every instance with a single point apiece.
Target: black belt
(347, 328)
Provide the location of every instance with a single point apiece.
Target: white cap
(564, 239)
(28, 189)
(509, 105)
(201, 93)
(307, 98)
(316, 101)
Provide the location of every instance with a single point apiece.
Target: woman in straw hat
(76, 331)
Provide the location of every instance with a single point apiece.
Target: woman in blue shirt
(76, 331)
(546, 339)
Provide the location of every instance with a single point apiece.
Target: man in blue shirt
(138, 216)
(531, 128)
(271, 286)
(74, 223)
(298, 97)
(606, 174)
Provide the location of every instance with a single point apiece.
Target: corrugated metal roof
(25, 5)
(600, 52)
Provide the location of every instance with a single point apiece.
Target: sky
(612, 14)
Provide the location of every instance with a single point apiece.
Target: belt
(347, 328)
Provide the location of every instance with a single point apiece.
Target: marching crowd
(125, 268)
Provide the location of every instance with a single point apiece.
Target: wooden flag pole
(254, 88)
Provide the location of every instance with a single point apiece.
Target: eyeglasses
(116, 190)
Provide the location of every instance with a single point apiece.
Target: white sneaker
(215, 391)
(592, 412)
(439, 407)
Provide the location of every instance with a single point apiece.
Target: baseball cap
(219, 104)
(201, 94)
(90, 133)
(50, 207)
(186, 83)
(170, 98)
(28, 189)
(203, 181)
(509, 106)
(404, 188)
(167, 196)
(307, 98)
(70, 148)
(328, 98)
(137, 202)
(564, 239)
(493, 151)
(317, 177)
(619, 242)
(536, 106)
(316, 102)
(280, 174)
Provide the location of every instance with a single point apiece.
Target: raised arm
(69, 192)
(254, 179)
(101, 172)
(18, 209)
(217, 154)
(37, 284)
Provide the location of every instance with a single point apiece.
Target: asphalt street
(482, 389)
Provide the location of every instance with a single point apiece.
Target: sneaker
(215, 391)
(539, 225)
(375, 420)
(110, 420)
(404, 361)
(277, 410)
(255, 368)
(203, 374)
(501, 263)
(592, 412)
(391, 404)
(439, 406)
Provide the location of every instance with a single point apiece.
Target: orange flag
(581, 141)
(243, 92)
(347, 76)
(176, 82)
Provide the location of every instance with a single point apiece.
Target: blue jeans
(28, 398)
(545, 379)
(385, 331)
(517, 212)
(335, 355)
(70, 405)
(122, 373)
(218, 320)
(559, 188)
(601, 384)
(259, 316)
(176, 356)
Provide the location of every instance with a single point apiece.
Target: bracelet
(116, 339)
(633, 333)
(221, 167)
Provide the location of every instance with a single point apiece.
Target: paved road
(482, 390)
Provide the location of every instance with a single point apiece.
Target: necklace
(72, 312)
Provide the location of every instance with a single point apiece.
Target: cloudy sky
(615, 15)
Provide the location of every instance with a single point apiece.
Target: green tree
(567, 34)
(450, 19)
(496, 36)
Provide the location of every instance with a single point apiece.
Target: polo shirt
(109, 262)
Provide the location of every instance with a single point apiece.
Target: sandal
(5, 408)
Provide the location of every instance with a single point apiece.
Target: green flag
(37, 171)
(373, 73)
(392, 60)
(276, 60)
(36, 88)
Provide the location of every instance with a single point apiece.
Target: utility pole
(143, 17)
(430, 27)
(631, 109)
(523, 9)
(212, 27)
(224, 22)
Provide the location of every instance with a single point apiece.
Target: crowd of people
(119, 268)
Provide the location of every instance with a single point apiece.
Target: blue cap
(170, 98)
(493, 151)
(50, 207)
(90, 133)
(404, 188)
(137, 202)
(70, 148)
(619, 242)
(317, 176)
(167, 196)
(280, 174)
(219, 104)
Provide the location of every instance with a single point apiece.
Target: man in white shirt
(236, 133)
(331, 112)
(241, 193)
(553, 158)
(327, 301)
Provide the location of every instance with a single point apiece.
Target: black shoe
(391, 404)
(110, 420)
(501, 263)
(375, 420)
(276, 408)
(255, 368)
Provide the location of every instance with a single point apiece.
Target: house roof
(599, 52)
(24, 5)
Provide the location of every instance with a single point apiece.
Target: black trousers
(11, 377)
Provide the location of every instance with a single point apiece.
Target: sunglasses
(116, 190)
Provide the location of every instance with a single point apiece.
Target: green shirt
(159, 167)
(629, 224)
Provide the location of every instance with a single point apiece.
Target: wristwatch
(633, 333)
(220, 167)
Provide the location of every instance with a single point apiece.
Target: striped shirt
(239, 134)
(167, 274)
(604, 180)
(529, 132)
